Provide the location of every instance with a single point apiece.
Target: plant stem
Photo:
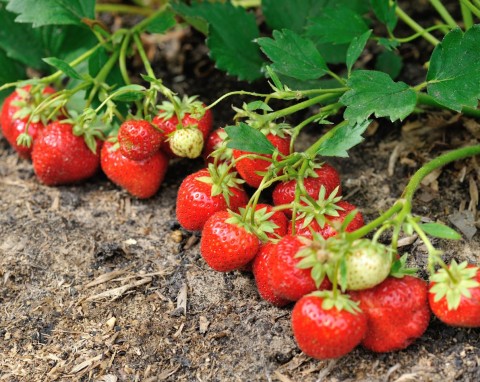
(441, 161)
(443, 27)
(416, 27)
(425, 99)
(143, 24)
(123, 8)
(467, 9)
(102, 75)
(143, 55)
(442, 11)
(299, 106)
(313, 149)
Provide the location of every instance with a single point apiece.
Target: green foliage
(441, 231)
(246, 138)
(373, 92)
(390, 63)
(11, 71)
(63, 66)
(343, 139)
(293, 55)
(52, 12)
(385, 12)
(356, 48)
(454, 72)
(162, 23)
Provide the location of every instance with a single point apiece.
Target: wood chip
(118, 292)
(393, 158)
(182, 298)
(107, 378)
(203, 325)
(473, 190)
(105, 278)
(281, 377)
(409, 240)
(85, 364)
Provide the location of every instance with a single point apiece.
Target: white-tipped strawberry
(186, 143)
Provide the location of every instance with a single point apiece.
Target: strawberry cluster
(345, 293)
(135, 156)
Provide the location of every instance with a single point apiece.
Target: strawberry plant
(343, 273)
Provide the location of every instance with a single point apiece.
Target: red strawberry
(192, 113)
(216, 143)
(456, 303)
(261, 271)
(288, 281)
(226, 245)
(249, 168)
(324, 331)
(205, 192)
(328, 230)
(60, 157)
(140, 178)
(15, 113)
(327, 176)
(139, 139)
(397, 312)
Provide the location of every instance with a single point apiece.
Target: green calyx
(399, 267)
(315, 256)
(256, 221)
(318, 209)
(454, 282)
(336, 300)
(86, 125)
(222, 180)
(222, 153)
(29, 102)
(181, 107)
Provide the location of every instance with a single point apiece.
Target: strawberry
(343, 208)
(215, 146)
(327, 326)
(397, 312)
(140, 178)
(139, 139)
(289, 281)
(226, 244)
(321, 175)
(455, 297)
(60, 157)
(205, 192)
(261, 268)
(15, 113)
(192, 114)
(252, 169)
(186, 142)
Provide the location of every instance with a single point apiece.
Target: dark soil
(98, 286)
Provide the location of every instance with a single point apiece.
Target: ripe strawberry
(397, 312)
(326, 176)
(139, 139)
(251, 169)
(215, 146)
(226, 245)
(60, 157)
(192, 114)
(140, 178)
(261, 271)
(15, 113)
(186, 142)
(205, 192)
(289, 281)
(324, 328)
(329, 230)
(456, 302)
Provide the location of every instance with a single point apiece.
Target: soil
(99, 286)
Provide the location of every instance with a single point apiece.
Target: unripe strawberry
(186, 142)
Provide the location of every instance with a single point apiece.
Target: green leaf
(356, 48)
(231, 34)
(52, 12)
(293, 55)
(454, 72)
(385, 12)
(190, 16)
(338, 25)
(390, 63)
(162, 23)
(246, 138)
(11, 71)
(280, 14)
(343, 139)
(63, 66)
(373, 92)
(441, 231)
